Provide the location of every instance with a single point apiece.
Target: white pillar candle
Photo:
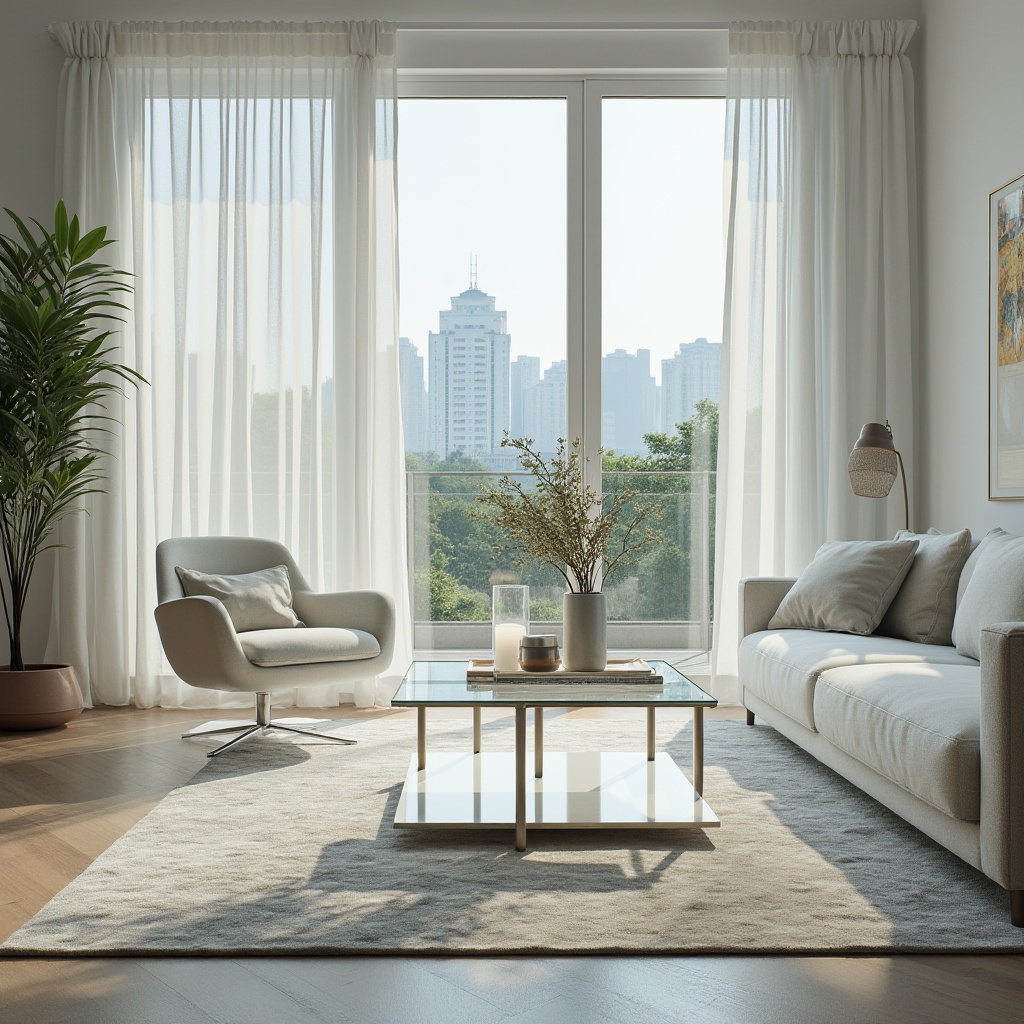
(506, 646)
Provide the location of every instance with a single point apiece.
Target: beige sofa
(935, 736)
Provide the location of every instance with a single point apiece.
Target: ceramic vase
(585, 639)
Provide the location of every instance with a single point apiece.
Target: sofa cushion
(847, 587)
(918, 725)
(782, 666)
(995, 592)
(923, 609)
(274, 648)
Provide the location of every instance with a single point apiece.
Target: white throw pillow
(924, 608)
(253, 600)
(847, 588)
(994, 592)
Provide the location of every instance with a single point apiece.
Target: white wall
(30, 70)
(971, 101)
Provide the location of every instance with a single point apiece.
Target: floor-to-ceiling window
(561, 263)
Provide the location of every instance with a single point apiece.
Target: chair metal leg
(251, 731)
(262, 725)
(311, 732)
(201, 731)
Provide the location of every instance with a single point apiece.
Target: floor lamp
(873, 463)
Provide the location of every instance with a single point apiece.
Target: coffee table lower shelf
(577, 790)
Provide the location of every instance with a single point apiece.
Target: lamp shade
(873, 462)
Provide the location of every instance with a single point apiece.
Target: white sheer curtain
(820, 294)
(248, 171)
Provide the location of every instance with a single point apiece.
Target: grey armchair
(350, 635)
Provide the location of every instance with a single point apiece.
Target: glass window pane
(662, 296)
(482, 194)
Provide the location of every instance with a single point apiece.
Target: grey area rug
(288, 847)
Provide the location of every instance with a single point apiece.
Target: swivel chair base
(260, 727)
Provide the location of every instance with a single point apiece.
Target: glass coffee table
(593, 789)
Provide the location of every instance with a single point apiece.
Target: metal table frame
(521, 706)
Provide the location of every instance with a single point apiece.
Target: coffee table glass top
(444, 684)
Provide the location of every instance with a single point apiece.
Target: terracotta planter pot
(41, 697)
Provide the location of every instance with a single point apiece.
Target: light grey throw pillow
(994, 592)
(847, 588)
(972, 562)
(923, 609)
(253, 600)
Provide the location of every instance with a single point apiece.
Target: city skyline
(487, 178)
(466, 390)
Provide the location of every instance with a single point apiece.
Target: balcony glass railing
(661, 602)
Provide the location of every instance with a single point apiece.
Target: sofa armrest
(760, 597)
(1002, 753)
(369, 610)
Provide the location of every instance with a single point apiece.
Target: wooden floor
(66, 795)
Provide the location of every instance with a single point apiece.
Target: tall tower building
(414, 397)
(469, 377)
(544, 409)
(693, 373)
(525, 374)
(628, 401)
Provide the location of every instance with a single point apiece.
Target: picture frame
(1006, 341)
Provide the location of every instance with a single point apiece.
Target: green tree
(449, 600)
(460, 549)
(458, 583)
(665, 575)
(692, 448)
(681, 465)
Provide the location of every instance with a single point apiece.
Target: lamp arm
(906, 499)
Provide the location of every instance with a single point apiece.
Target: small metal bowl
(539, 653)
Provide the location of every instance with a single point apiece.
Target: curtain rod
(423, 26)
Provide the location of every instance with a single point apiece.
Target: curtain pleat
(820, 294)
(248, 172)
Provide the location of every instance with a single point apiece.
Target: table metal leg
(476, 730)
(538, 742)
(698, 750)
(521, 778)
(421, 738)
(650, 734)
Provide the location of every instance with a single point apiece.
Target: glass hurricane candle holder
(510, 622)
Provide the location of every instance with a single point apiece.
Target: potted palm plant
(56, 372)
(559, 519)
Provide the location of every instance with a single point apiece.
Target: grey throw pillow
(847, 588)
(994, 592)
(972, 562)
(923, 609)
(253, 600)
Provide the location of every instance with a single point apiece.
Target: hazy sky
(488, 177)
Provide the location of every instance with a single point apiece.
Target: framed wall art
(1006, 341)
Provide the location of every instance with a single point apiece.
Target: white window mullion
(589, 362)
(576, 320)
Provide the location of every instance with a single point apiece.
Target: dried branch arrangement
(562, 521)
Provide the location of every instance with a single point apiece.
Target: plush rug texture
(287, 846)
